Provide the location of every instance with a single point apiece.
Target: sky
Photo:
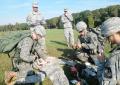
(13, 11)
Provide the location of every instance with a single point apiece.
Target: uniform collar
(34, 13)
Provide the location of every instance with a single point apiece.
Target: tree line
(92, 18)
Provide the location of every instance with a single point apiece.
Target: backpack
(9, 41)
(98, 33)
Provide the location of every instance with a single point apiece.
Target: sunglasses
(35, 7)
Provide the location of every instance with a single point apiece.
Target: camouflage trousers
(69, 36)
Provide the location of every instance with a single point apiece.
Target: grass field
(56, 46)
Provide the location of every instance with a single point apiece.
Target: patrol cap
(41, 31)
(35, 4)
(81, 26)
(110, 26)
(65, 10)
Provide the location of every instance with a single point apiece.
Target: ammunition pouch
(17, 56)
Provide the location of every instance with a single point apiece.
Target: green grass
(5, 65)
(56, 46)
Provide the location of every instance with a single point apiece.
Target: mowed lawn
(56, 47)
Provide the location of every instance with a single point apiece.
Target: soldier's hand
(37, 64)
(79, 46)
(101, 57)
(78, 83)
(10, 77)
(74, 46)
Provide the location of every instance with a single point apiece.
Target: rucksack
(9, 41)
(99, 35)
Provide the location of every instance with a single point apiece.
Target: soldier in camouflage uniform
(26, 52)
(36, 21)
(101, 58)
(29, 56)
(87, 45)
(87, 42)
(67, 19)
(111, 30)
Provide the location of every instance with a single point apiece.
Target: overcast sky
(13, 11)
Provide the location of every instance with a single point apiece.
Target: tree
(96, 16)
(53, 22)
(90, 21)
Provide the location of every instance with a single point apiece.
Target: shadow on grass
(2, 83)
(60, 43)
(68, 53)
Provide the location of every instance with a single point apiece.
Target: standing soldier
(111, 30)
(87, 46)
(67, 19)
(36, 21)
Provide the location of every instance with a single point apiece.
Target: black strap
(67, 17)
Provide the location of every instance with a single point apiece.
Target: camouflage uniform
(89, 48)
(108, 28)
(36, 21)
(23, 59)
(89, 43)
(115, 68)
(68, 31)
(101, 63)
(41, 40)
